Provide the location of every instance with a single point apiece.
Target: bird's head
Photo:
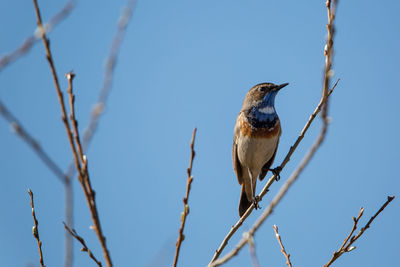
(262, 95)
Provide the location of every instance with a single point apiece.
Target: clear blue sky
(186, 64)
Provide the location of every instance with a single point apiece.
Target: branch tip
(35, 228)
(185, 200)
(80, 239)
(350, 239)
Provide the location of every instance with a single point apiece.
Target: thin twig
(350, 239)
(328, 51)
(84, 179)
(185, 212)
(80, 159)
(283, 250)
(35, 229)
(110, 64)
(31, 40)
(49, 163)
(82, 241)
(70, 77)
(32, 142)
(355, 220)
(253, 254)
(272, 179)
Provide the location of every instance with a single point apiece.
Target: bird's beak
(279, 87)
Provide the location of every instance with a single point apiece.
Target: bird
(255, 141)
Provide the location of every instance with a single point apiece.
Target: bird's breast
(248, 130)
(256, 145)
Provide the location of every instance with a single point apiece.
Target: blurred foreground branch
(98, 108)
(31, 40)
(32, 142)
(253, 254)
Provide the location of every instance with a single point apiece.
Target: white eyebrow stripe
(267, 110)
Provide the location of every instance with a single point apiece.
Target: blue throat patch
(260, 119)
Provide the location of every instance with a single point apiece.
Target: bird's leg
(276, 171)
(253, 181)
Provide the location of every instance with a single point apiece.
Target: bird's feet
(276, 171)
(256, 199)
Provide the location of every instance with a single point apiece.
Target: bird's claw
(256, 199)
(276, 171)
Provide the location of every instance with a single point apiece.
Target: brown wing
(236, 164)
(237, 167)
(267, 165)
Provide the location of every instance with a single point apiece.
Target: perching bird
(255, 140)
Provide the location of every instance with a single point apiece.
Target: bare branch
(360, 213)
(84, 173)
(185, 212)
(328, 51)
(70, 76)
(82, 241)
(80, 159)
(35, 229)
(24, 48)
(252, 249)
(278, 237)
(31, 40)
(350, 239)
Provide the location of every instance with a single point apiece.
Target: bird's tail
(244, 203)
